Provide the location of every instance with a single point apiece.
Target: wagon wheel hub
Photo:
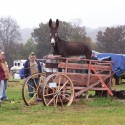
(58, 92)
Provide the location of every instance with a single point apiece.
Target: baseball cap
(32, 53)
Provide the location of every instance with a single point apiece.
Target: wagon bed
(86, 75)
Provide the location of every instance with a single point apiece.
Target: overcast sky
(93, 13)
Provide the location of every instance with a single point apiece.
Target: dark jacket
(27, 68)
(2, 74)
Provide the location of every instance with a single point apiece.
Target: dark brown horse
(65, 48)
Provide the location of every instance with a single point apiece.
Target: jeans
(4, 89)
(1, 88)
(32, 86)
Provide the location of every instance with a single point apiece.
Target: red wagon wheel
(36, 89)
(57, 89)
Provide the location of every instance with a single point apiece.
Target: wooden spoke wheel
(31, 89)
(57, 89)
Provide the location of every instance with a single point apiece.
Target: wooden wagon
(68, 79)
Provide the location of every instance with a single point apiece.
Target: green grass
(94, 111)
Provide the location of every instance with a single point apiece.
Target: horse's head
(53, 32)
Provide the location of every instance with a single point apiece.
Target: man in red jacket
(2, 77)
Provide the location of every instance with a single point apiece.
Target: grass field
(94, 111)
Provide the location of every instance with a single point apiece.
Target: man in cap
(32, 66)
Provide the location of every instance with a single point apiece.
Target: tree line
(111, 40)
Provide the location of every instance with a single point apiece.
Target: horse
(66, 48)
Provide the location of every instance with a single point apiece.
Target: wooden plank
(83, 66)
(94, 88)
(79, 79)
(88, 88)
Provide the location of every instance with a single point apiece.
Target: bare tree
(8, 32)
(9, 35)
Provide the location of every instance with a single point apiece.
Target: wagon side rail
(85, 82)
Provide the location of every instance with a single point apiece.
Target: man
(6, 71)
(2, 77)
(32, 66)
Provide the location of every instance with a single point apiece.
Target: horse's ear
(57, 23)
(50, 23)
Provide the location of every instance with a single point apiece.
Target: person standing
(2, 77)
(6, 71)
(32, 66)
